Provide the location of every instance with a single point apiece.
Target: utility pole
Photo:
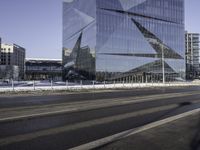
(163, 63)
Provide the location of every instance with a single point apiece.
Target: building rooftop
(42, 59)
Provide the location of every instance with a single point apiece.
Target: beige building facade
(192, 48)
(13, 56)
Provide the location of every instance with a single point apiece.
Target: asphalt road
(61, 131)
(17, 101)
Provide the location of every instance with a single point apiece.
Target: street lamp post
(163, 64)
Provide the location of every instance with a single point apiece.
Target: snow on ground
(46, 86)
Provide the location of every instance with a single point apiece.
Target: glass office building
(129, 40)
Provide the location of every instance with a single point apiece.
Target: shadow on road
(195, 143)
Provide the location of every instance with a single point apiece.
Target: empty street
(70, 120)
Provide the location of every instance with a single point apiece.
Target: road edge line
(127, 133)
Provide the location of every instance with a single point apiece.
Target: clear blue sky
(37, 24)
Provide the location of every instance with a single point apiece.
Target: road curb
(130, 132)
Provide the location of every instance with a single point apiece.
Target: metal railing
(81, 85)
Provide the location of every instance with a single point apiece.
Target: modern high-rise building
(192, 55)
(12, 61)
(129, 40)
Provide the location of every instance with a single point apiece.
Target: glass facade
(79, 39)
(43, 69)
(123, 40)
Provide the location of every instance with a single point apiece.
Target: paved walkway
(182, 134)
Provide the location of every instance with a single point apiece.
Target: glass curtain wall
(79, 39)
(126, 40)
(133, 36)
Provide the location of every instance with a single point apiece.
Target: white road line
(85, 124)
(36, 114)
(130, 132)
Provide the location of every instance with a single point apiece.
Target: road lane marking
(127, 133)
(85, 124)
(35, 111)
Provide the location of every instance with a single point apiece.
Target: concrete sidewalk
(182, 134)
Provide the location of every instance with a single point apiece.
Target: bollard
(34, 85)
(104, 84)
(67, 83)
(81, 83)
(93, 84)
(13, 85)
(146, 79)
(139, 84)
(52, 84)
(132, 83)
